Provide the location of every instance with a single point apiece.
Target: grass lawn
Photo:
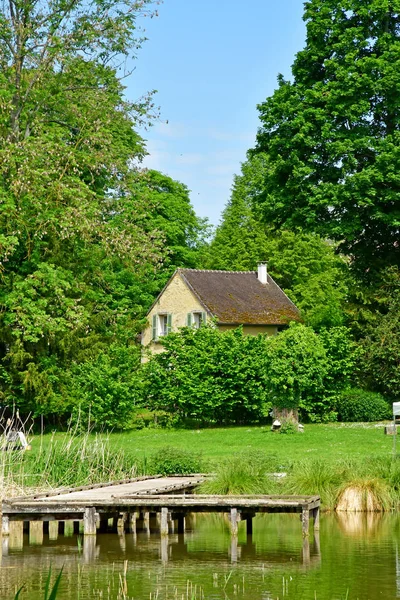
(329, 455)
(329, 442)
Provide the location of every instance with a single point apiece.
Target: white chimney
(262, 273)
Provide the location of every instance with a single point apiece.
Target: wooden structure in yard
(156, 503)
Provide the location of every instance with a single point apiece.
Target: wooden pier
(150, 503)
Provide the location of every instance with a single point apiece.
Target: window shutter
(204, 317)
(169, 323)
(154, 334)
(189, 320)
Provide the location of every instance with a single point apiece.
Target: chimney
(262, 273)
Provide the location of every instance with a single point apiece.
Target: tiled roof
(238, 297)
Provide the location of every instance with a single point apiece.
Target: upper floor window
(196, 318)
(162, 324)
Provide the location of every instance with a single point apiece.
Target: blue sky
(212, 62)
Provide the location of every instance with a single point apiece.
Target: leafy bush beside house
(227, 377)
(209, 376)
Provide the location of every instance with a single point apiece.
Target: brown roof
(238, 297)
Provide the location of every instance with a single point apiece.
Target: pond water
(353, 557)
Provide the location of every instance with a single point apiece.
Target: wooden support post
(181, 523)
(305, 519)
(316, 512)
(164, 521)
(76, 527)
(249, 524)
(146, 522)
(5, 526)
(89, 521)
(16, 535)
(69, 528)
(53, 530)
(234, 521)
(121, 522)
(131, 522)
(36, 533)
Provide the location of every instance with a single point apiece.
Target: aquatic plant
(74, 458)
(364, 495)
(317, 477)
(49, 594)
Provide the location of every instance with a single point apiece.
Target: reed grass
(64, 461)
(246, 473)
(364, 495)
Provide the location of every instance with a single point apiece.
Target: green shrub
(355, 404)
(173, 461)
(208, 376)
(288, 426)
(246, 473)
(143, 418)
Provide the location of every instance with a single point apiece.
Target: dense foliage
(355, 404)
(331, 136)
(303, 264)
(380, 361)
(85, 239)
(227, 377)
(208, 376)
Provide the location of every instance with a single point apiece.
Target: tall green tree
(72, 240)
(331, 135)
(303, 264)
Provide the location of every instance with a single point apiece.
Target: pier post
(164, 521)
(89, 521)
(53, 530)
(5, 526)
(234, 521)
(316, 512)
(249, 523)
(16, 535)
(131, 524)
(305, 519)
(181, 523)
(36, 533)
(146, 522)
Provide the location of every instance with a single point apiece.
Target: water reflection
(360, 560)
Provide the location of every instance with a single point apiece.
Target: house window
(162, 324)
(196, 318)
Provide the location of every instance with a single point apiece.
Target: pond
(353, 557)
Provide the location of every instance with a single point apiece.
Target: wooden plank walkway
(137, 499)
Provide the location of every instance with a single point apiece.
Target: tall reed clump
(246, 473)
(364, 495)
(64, 461)
(317, 477)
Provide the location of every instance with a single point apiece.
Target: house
(228, 298)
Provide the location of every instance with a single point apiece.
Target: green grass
(318, 461)
(328, 442)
